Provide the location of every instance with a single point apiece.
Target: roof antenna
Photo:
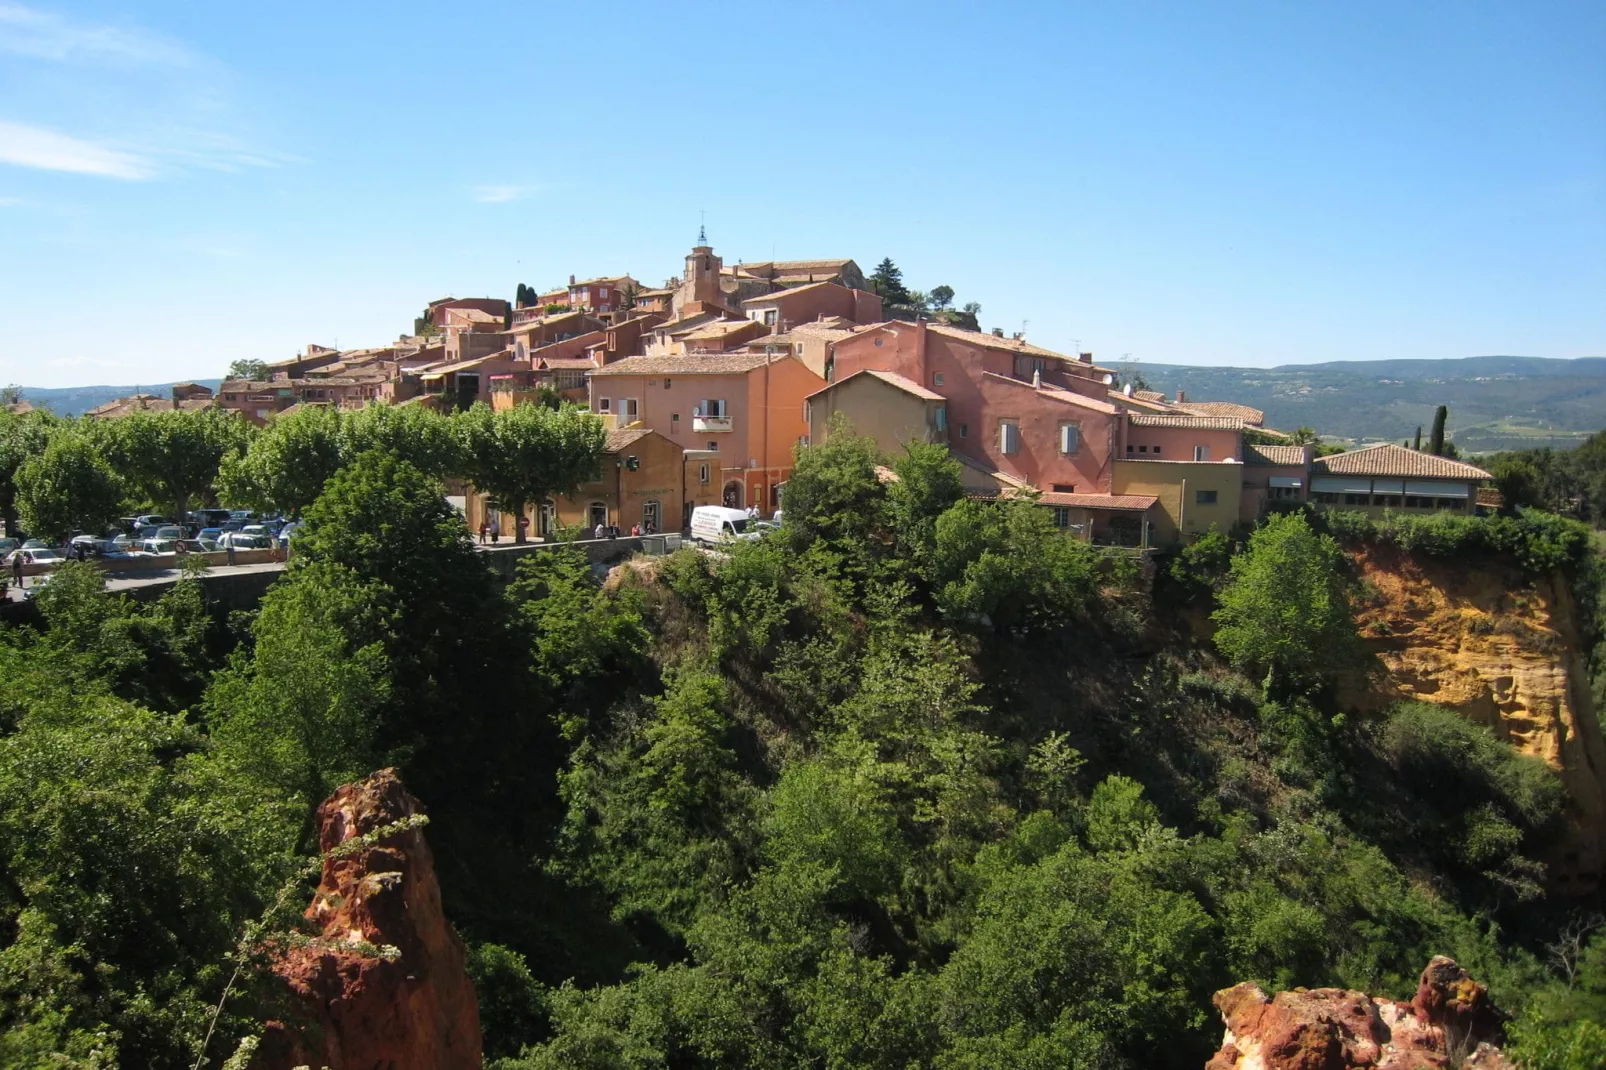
(702, 227)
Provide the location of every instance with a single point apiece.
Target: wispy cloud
(504, 194)
(48, 150)
(28, 31)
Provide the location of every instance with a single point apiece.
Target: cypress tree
(1417, 445)
(1437, 446)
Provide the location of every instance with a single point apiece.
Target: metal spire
(702, 227)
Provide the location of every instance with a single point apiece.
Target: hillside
(1496, 403)
(77, 400)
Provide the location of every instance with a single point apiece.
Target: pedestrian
(16, 570)
(228, 550)
(496, 534)
(485, 530)
(635, 531)
(602, 530)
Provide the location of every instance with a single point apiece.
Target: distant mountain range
(77, 400)
(1495, 403)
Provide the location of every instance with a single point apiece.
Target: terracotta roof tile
(691, 364)
(1255, 453)
(1388, 459)
(1229, 409)
(1135, 502)
(620, 437)
(1198, 423)
(893, 379)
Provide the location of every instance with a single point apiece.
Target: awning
(433, 375)
(1433, 488)
(1388, 486)
(1287, 481)
(1341, 485)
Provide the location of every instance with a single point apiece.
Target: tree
(1416, 443)
(524, 296)
(929, 482)
(942, 296)
(887, 281)
(1436, 446)
(1304, 436)
(67, 488)
(10, 395)
(287, 463)
(23, 436)
(522, 455)
(421, 436)
(255, 370)
(173, 457)
(1285, 614)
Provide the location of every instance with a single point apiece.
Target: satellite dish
(1109, 378)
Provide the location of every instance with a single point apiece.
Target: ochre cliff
(1504, 650)
(1450, 1023)
(352, 1003)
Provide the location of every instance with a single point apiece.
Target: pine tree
(888, 282)
(1436, 447)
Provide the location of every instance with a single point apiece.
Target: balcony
(701, 424)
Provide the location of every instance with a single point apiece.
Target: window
(1157, 451)
(674, 418)
(769, 317)
(940, 415)
(1390, 500)
(1062, 517)
(1291, 494)
(1204, 497)
(1143, 449)
(627, 408)
(666, 384)
(702, 473)
(964, 430)
(1452, 503)
(713, 445)
(800, 349)
(1357, 499)
(1130, 448)
(936, 380)
(1008, 436)
(710, 407)
(604, 405)
(808, 412)
(650, 513)
(1327, 498)
(830, 369)
(1201, 453)
(1070, 438)
(1064, 488)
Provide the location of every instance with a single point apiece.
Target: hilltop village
(708, 385)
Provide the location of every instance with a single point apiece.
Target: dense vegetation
(916, 781)
(1564, 481)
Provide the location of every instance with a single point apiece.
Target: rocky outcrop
(1451, 1022)
(1503, 650)
(383, 983)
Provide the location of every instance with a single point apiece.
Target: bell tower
(701, 279)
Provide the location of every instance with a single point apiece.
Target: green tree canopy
(67, 488)
(1285, 614)
(255, 370)
(23, 436)
(287, 463)
(887, 280)
(942, 296)
(172, 457)
(522, 455)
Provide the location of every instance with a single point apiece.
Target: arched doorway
(733, 495)
(651, 516)
(596, 514)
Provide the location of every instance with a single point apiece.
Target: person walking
(16, 570)
(228, 548)
(485, 531)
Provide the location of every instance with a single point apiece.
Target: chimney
(998, 332)
(571, 280)
(1085, 358)
(1182, 399)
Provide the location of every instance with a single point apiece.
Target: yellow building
(1192, 495)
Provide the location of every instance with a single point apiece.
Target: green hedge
(1540, 542)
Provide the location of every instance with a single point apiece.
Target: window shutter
(1070, 438)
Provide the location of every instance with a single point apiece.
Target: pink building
(1181, 437)
(746, 408)
(785, 309)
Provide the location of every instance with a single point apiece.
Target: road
(118, 583)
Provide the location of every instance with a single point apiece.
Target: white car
(35, 556)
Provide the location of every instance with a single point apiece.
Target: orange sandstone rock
(352, 1007)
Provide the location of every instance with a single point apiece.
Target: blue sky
(183, 184)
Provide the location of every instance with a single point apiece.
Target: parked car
(168, 531)
(37, 544)
(241, 541)
(210, 518)
(286, 532)
(36, 556)
(244, 516)
(91, 544)
(208, 538)
(717, 523)
(7, 545)
(158, 546)
(256, 529)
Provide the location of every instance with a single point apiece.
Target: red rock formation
(1337, 1029)
(354, 1008)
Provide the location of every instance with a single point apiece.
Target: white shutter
(1070, 438)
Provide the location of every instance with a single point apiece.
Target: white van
(716, 523)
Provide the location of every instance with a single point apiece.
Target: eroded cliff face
(1450, 1023)
(353, 1003)
(1503, 650)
